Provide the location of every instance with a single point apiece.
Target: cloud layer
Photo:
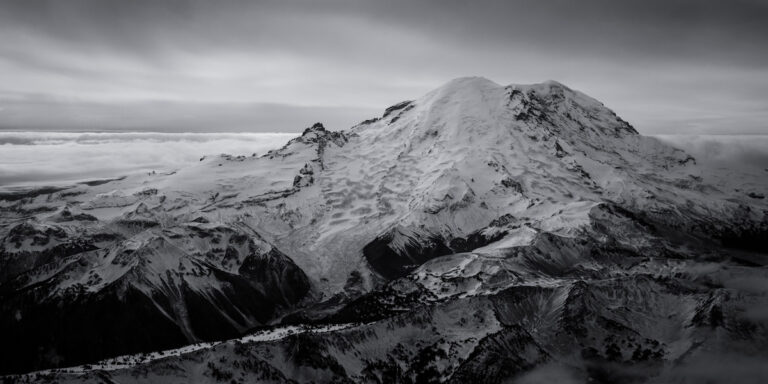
(51, 157)
(667, 66)
(724, 151)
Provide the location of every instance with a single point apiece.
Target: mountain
(505, 232)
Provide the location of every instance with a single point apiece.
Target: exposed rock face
(401, 250)
(480, 231)
(159, 289)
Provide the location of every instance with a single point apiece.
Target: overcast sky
(667, 66)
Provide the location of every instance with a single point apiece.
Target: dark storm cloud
(669, 66)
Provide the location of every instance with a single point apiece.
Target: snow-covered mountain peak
(496, 184)
(471, 107)
(473, 119)
(316, 128)
(463, 85)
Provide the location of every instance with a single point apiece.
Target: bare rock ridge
(481, 230)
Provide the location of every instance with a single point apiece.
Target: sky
(667, 66)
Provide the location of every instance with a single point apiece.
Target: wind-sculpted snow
(481, 231)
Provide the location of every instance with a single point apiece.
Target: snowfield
(128, 361)
(478, 231)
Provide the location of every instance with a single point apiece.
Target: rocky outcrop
(160, 293)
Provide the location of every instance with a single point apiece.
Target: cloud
(551, 373)
(51, 157)
(41, 113)
(724, 151)
(683, 66)
(711, 367)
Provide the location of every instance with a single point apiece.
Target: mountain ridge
(468, 195)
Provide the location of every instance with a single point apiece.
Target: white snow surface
(448, 164)
(128, 361)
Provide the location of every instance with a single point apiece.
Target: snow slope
(468, 193)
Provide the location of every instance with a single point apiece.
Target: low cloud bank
(51, 157)
(35, 157)
(723, 151)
